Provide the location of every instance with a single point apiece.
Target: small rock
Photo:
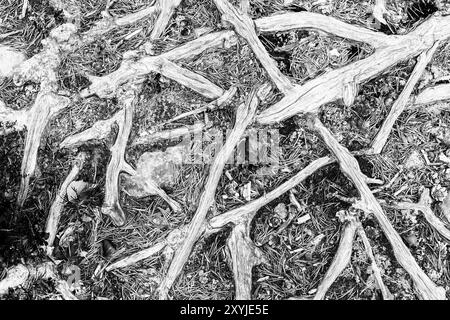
(412, 240)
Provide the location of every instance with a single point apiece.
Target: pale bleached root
(386, 294)
(403, 100)
(342, 83)
(244, 117)
(111, 204)
(244, 255)
(342, 258)
(58, 204)
(21, 275)
(245, 27)
(46, 106)
(424, 206)
(425, 288)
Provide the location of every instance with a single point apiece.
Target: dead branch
(244, 117)
(342, 257)
(245, 27)
(58, 204)
(244, 255)
(343, 82)
(387, 295)
(402, 101)
(424, 206)
(350, 167)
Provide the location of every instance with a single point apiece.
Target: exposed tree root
(402, 101)
(58, 204)
(20, 275)
(426, 289)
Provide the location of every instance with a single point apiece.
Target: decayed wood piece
(424, 206)
(244, 255)
(350, 167)
(432, 95)
(342, 257)
(106, 86)
(245, 27)
(244, 117)
(21, 274)
(343, 82)
(387, 295)
(58, 204)
(399, 106)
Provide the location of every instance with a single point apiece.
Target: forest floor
(298, 250)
